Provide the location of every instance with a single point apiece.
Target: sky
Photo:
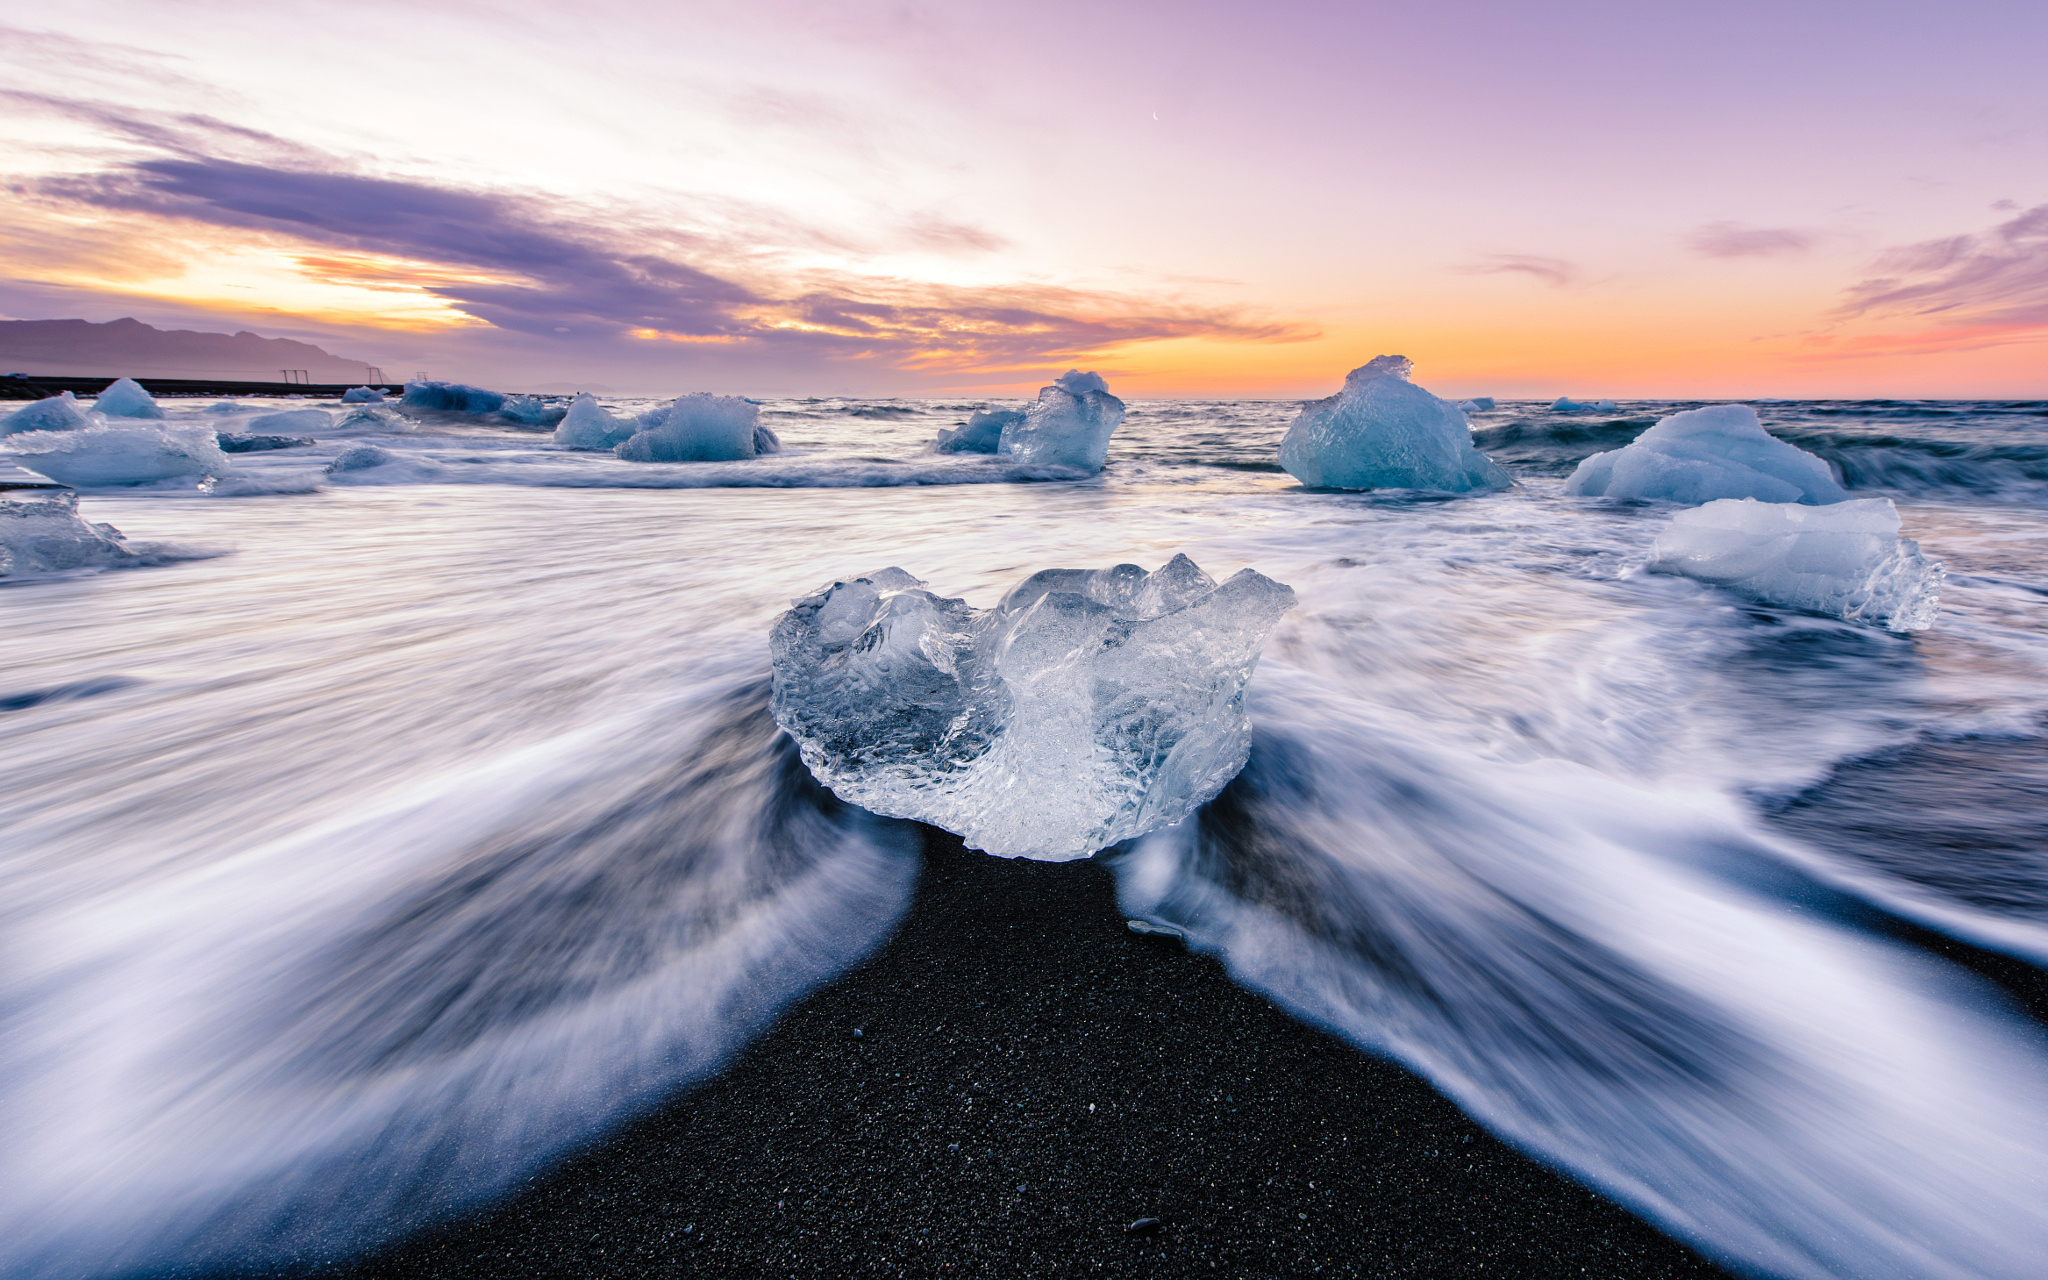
(1715, 200)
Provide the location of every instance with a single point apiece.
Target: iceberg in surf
(452, 397)
(1384, 432)
(982, 434)
(702, 428)
(1721, 451)
(1565, 404)
(1087, 708)
(362, 395)
(1477, 404)
(1069, 425)
(42, 533)
(119, 455)
(125, 398)
(588, 426)
(1846, 559)
(56, 413)
(293, 421)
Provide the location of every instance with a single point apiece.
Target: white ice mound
(1087, 708)
(55, 413)
(101, 456)
(125, 398)
(588, 426)
(1069, 425)
(293, 422)
(1384, 432)
(702, 428)
(1846, 559)
(40, 532)
(1721, 451)
(362, 395)
(982, 434)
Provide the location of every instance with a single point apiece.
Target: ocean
(395, 831)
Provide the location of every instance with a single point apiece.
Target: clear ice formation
(125, 398)
(41, 532)
(982, 434)
(55, 413)
(587, 426)
(529, 411)
(293, 421)
(1845, 559)
(701, 428)
(452, 397)
(1384, 432)
(1069, 425)
(362, 395)
(1089, 707)
(1721, 451)
(101, 456)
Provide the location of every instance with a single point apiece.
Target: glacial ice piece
(119, 455)
(224, 407)
(529, 411)
(452, 397)
(55, 413)
(362, 395)
(702, 428)
(1846, 559)
(1721, 451)
(1605, 406)
(125, 398)
(372, 417)
(41, 532)
(1069, 425)
(1384, 432)
(982, 434)
(1087, 708)
(293, 421)
(1477, 404)
(588, 426)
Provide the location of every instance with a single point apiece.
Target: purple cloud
(1733, 240)
(1555, 272)
(1997, 278)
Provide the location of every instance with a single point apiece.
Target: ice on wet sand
(1721, 451)
(1384, 432)
(1087, 708)
(121, 454)
(41, 532)
(125, 398)
(702, 428)
(1846, 559)
(1069, 425)
(588, 426)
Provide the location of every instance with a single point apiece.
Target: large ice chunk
(1087, 708)
(41, 532)
(119, 455)
(125, 398)
(1384, 432)
(588, 426)
(983, 432)
(1069, 425)
(529, 411)
(702, 428)
(362, 395)
(55, 413)
(452, 397)
(1846, 559)
(1721, 451)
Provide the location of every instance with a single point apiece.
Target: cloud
(1969, 291)
(1733, 240)
(1555, 272)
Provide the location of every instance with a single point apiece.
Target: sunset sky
(1597, 199)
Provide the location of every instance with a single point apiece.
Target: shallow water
(435, 820)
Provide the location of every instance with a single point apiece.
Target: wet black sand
(929, 1114)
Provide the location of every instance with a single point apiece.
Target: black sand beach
(930, 1114)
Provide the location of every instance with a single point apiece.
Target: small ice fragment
(360, 457)
(41, 532)
(529, 411)
(587, 426)
(982, 434)
(292, 421)
(1721, 451)
(55, 413)
(227, 407)
(1605, 406)
(1150, 926)
(1846, 559)
(1384, 432)
(119, 455)
(702, 428)
(232, 442)
(1087, 708)
(1477, 404)
(1069, 425)
(362, 395)
(1565, 404)
(371, 417)
(452, 397)
(125, 398)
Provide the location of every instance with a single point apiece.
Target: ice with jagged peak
(588, 426)
(1069, 425)
(119, 454)
(701, 427)
(1384, 432)
(125, 398)
(41, 532)
(1699, 455)
(983, 432)
(1845, 559)
(1477, 404)
(1089, 707)
(362, 395)
(452, 397)
(56, 413)
(292, 422)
